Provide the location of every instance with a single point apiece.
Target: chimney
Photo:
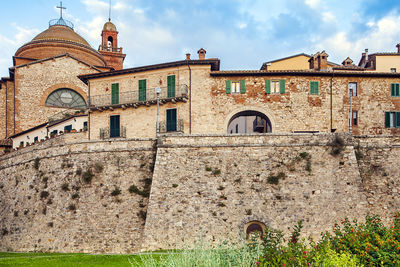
(322, 60)
(202, 53)
(398, 48)
(366, 56)
(311, 61)
(188, 56)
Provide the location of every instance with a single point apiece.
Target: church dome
(58, 39)
(109, 26)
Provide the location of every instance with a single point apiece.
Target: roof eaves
(215, 63)
(29, 130)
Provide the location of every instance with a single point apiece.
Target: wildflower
(283, 264)
(258, 263)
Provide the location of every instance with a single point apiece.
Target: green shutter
(171, 86)
(397, 89)
(114, 93)
(392, 89)
(312, 88)
(282, 85)
(268, 86)
(316, 88)
(142, 90)
(242, 87)
(397, 119)
(228, 86)
(387, 119)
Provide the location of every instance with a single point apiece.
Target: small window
(353, 89)
(67, 128)
(275, 86)
(393, 70)
(395, 89)
(21, 144)
(235, 87)
(355, 118)
(314, 88)
(36, 139)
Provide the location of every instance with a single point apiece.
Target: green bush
(116, 192)
(87, 176)
(134, 189)
(274, 179)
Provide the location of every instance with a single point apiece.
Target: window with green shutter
(171, 86)
(228, 86)
(314, 88)
(114, 93)
(392, 119)
(268, 86)
(282, 86)
(395, 89)
(242, 87)
(142, 90)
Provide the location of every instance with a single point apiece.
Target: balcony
(169, 127)
(132, 98)
(107, 133)
(110, 49)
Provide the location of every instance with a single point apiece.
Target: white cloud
(242, 25)
(313, 3)
(382, 37)
(328, 17)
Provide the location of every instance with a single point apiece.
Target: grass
(66, 259)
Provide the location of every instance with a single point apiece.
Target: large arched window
(249, 121)
(66, 98)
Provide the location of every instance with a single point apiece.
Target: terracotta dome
(109, 26)
(60, 39)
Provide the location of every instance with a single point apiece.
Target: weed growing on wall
(87, 176)
(274, 179)
(36, 164)
(337, 145)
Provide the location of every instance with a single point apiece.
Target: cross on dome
(61, 8)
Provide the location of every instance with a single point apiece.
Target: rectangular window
(114, 126)
(355, 118)
(84, 125)
(392, 119)
(395, 89)
(142, 90)
(275, 86)
(393, 70)
(235, 87)
(67, 128)
(171, 120)
(314, 88)
(36, 139)
(171, 86)
(114, 93)
(54, 132)
(353, 89)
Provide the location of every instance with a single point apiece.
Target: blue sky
(243, 34)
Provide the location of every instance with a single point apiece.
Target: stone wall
(2, 111)
(210, 187)
(61, 195)
(202, 186)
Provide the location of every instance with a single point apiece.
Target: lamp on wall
(158, 92)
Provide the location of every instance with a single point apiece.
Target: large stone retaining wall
(204, 187)
(48, 204)
(210, 187)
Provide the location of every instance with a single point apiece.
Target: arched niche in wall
(66, 98)
(249, 122)
(254, 229)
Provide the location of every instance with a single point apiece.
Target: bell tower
(109, 46)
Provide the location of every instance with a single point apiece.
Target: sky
(241, 33)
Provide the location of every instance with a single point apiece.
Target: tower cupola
(109, 46)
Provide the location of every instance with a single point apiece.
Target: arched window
(66, 98)
(249, 121)
(110, 41)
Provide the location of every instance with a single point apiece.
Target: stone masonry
(204, 187)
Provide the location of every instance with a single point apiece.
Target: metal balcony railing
(132, 97)
(166, 127)
(110, 49)
(106, 133)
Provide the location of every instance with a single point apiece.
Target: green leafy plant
(36, 164)
(87, 176)
(134, 189)
(116, 192)
(274, 179)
